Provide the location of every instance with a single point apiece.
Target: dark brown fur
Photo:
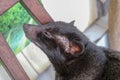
(73, 56)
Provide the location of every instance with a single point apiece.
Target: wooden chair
(10, 61)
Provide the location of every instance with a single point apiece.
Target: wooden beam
(10, 61)
(6, 4)
(114, 24)
(37, 11)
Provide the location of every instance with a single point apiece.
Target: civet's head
(59, 40)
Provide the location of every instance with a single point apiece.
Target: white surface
(82, 11)
(98, 29)
(103, 41)
(27, 67)
(3, 74)
(48, 74)
(36, 57)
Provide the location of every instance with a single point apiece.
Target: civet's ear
(72, 22)
(76, 49)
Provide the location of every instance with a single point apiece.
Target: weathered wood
(6, 4)
(10, 61)
(114, 24)
(37, 11)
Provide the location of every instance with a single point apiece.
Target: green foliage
(40, 1)
(16, 39)
(17, 15)
(11, 25)
(0, 62)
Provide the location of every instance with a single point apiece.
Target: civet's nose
(26, 27)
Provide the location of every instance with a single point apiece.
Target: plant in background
(11, 24)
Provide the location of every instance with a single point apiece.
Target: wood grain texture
(114, 24)
(10, 61)
(37, 11)
(6, 4)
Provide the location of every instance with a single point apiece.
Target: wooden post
(10, 61)
(114, 24)
(6, 4)
(37, 11)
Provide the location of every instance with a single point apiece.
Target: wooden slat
(37, 11)
(114, 25)
(27, 66)
(6, 4)
(38, 60)
(10, 61)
